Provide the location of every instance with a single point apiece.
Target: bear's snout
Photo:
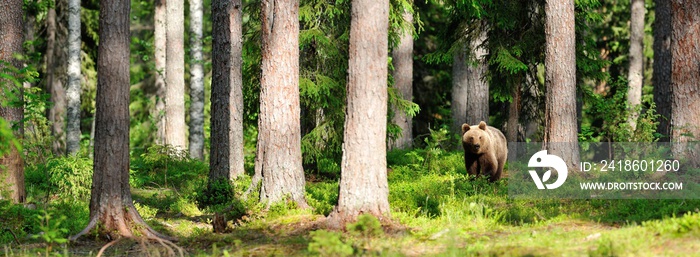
(477, 146)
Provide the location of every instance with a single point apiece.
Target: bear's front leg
(489, 163)
(471, 163)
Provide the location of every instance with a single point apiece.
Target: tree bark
(460, 80)
(112, 211)
(402, 58)
(561, 136)
(685, 80)
(278, 158)
(196, 82)
(363, 187)
(159, 43)
(662, 66)
(175, 76)
(470, 92)
(53, 62)
(226, 154)
(73, 85)
(11, 164)
(636, 69)
(513, 123)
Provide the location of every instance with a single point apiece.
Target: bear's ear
(482, 125)
(465, 127)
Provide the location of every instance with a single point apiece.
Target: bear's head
(475, 139)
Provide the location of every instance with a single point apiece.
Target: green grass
(436, 210)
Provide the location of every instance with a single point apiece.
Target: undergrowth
(429, 193)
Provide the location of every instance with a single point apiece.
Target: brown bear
(485, 150)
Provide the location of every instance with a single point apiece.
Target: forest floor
(436, 210)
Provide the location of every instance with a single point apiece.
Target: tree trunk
(196, 82)
(112, 211)
(470, 92)
(662, 67)
(73, 87)
(174, 76)
(363, 187)
(226, 154)
(29, 34)
(531, 107)
(636, 71)
(513, 123)
(561, 136)
(460, 80)
(685, 77)
(402, 57)
(159, 43)
(54, 61)
(278, 158)
(11, 164)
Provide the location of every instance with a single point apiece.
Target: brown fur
(485, 150)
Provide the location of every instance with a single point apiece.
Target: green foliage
(688, 223)
(322, 196)
(323, 43)
(216, 193)
(612, 112)
(398, 103)
(50, 227)
(7, 138)
(11, 96)
(281, 208)
(606, 247)
(146, 212)
(165, 166)
(69, 177)
(38, 139)
(15, 221)
(366, 226)
(65, 179)
(508, 62)
(589, 64)
(221, 196)
(329, 243)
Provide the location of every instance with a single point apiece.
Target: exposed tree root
(90, 226)
(169, 246)
(129, 225)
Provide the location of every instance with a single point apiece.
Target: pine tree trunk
(175, 76)
(363, 187)
(402, 58)
(478, 88)
(196, 81)
(29, 34)
(470, 92)
(54, 62)
(685, 77)
(159, 43)
(636, 70)
(460, 80)
(226, 154)
(531, 107)
(513, 123)
(662, 66)
(112, 211)
(561, 136)
(278, 158)
(11, 43)
(73, 85)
